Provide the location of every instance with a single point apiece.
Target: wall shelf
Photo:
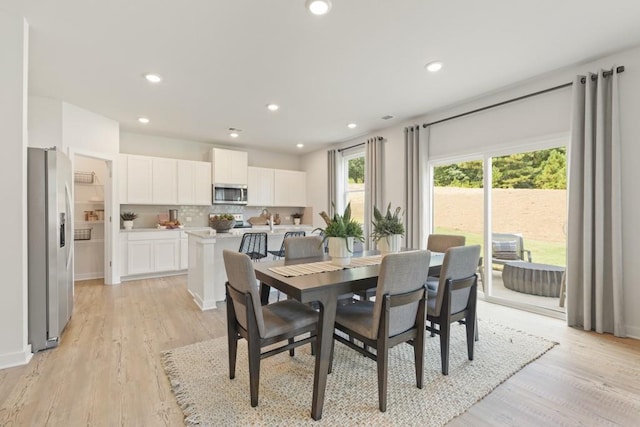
(89, 222)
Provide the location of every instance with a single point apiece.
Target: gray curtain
(594, 248)
(415, 179)
(332, 184)
(373, 161)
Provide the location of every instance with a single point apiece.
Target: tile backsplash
(199, 215)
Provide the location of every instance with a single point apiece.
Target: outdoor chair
(260, 325)
(396, 316)
(455, 299)
(506, 248)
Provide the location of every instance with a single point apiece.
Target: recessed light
(318, 7)
(143, 120)
(273, 107)
(299, 145)
(352, 125)
(234, 134)
(433, 66)
(153, 78)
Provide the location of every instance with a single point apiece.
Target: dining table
(324, 289)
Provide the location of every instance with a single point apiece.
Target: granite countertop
(278, 230)
(165, 229)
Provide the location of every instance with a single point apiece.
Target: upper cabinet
(155, 180)
(260, 186)
(228, 166)
(290, 188)
(194, 183)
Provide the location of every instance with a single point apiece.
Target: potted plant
(127, 219)
(296, 217)
(341, 231)
(387, 229)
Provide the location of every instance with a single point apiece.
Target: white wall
(548, 115)
(14, 348)
(45, 122)
(149, 145)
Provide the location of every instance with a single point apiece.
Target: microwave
(229, 194)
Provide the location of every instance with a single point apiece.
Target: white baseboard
(204, 305)
(152, 275)
(632, 332)
(10, 360)
(89, 276)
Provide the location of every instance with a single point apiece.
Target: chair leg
(292, 352)
(333, 345)
(471, 325)
(477, 334)
(232, 339)
(254, 370)
(433, 334)
(418, 355)
(382, 358)
(445, 333)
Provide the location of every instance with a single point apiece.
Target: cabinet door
(239, 165)
(140, 257)
(290, 188)
(186, 184)
(202, 183)
(165, 185)
(139, 179)
(260, 186)
(166, 255)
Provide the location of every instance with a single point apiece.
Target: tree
(356, 170)
(553, 173)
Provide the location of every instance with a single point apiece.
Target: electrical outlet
(188, 219)
(287, 218)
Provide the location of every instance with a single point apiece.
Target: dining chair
(396, 316)
(254, 245)
(260, 325)
(280, 253)
(440, 243)
(454, 299)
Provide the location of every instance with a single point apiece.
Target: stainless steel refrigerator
(50, 246)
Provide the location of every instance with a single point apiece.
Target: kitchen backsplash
(148, 214)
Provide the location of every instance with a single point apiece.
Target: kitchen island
(207, 274)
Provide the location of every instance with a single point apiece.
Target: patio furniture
(505, 248)
(534, 279)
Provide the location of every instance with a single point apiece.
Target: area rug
(200, 380)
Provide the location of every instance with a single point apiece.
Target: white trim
(204, 305)
(9, 360)
(89, 276)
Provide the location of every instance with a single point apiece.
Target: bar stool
(254, 245)
(280, 253)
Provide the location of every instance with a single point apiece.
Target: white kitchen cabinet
(228, 166)
(194, 183)
(184, 252)
(260, 186)
(290, 188)
(165, 182)
(166, 255)
(139, 180)
(140, 257)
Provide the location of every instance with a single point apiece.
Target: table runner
(323, 266)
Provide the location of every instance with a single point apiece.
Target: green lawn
(553, 253)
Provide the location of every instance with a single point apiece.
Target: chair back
(242, 278)
(442, 242)
(400, 273)
(290, 234)
(254, 245)
(507, 246)
(303, 247)
(459, 262)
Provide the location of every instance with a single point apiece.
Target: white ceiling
(223, 60)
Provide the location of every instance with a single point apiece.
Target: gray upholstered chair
(455, 298)
(260, 325)
(397, 315)
(303, 247)
(280, 252)
(440, 243)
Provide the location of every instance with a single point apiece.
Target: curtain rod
(379, 138)
(619, 69)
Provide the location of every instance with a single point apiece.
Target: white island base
(202, 281)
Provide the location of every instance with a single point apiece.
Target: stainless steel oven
(229, 194)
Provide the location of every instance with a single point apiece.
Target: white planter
(128, 225)
(296, 221)
(339, 252)
(390, 244)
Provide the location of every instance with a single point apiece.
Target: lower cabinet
(149, 252)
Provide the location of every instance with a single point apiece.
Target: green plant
(128, 216)
(386, 225)
(227, 217)
(341, 226)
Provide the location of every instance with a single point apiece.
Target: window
(354, 185)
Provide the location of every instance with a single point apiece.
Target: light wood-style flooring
(107, 370)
